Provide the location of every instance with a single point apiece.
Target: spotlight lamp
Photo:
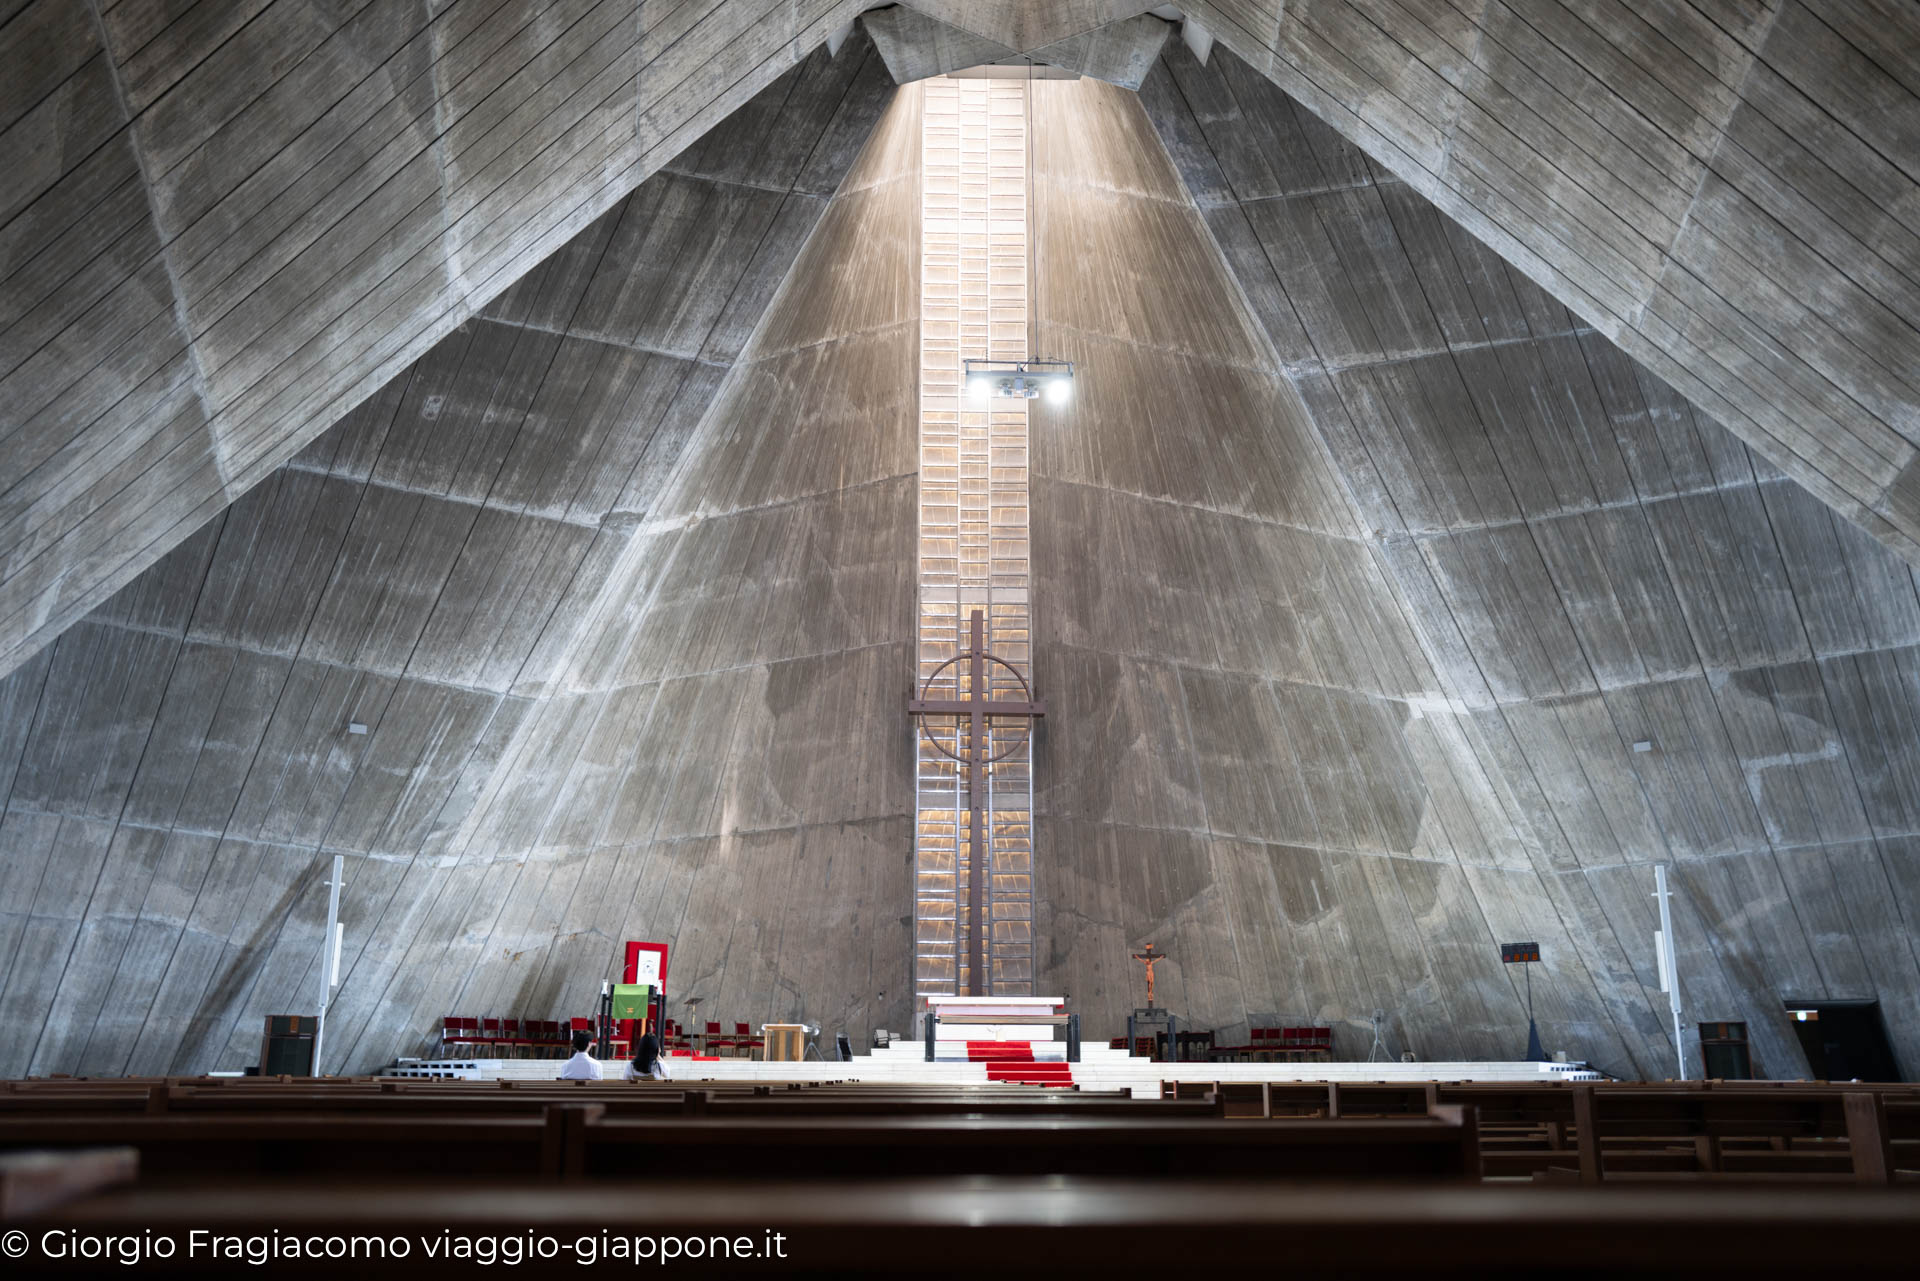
(1020, 380)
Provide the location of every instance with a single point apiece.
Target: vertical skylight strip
(973, 516)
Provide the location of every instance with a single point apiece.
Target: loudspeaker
(286, 1047)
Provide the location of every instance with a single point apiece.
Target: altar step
(1017, 1061)
(1030, 1073)
(1100, 1068)
(957, 1050)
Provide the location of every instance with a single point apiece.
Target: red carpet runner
(1014, 1061)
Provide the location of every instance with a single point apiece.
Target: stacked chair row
(509, 1038)
(1264, 1045)
(1280, 1045)
(504, 1038)
(713, 1043)
(741, 1043)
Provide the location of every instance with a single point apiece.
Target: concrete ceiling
(1636, 640)
(228, 224)
(1726, 191)
(615, 567)
(181, 763)
(236, 221)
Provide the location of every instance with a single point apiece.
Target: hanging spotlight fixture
(1020, 380)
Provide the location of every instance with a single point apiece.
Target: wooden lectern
(786, 1042)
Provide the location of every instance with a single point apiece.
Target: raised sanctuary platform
(982, 1039)
(1100, 1068)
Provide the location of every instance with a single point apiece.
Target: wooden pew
(1436, 1147)
(35, 1182)
(1330, 1099)
(584, 1137)
(1730, 1131)
(1052, 1227)
(619, 1098)
(1805, 1134)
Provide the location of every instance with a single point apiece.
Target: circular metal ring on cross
(934, 675)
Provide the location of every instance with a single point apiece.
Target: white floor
(1100, 1068)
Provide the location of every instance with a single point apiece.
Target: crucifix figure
(976, 704)
(1152, 958)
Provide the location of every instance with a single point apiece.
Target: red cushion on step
(1051, 1073)
(1028, 1068)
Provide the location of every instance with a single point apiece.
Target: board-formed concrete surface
(232, 222)
(1726, 191)
(180, 765)
(1236, 768)
(1362, 566)
(721, 765)
(229, 222)
(1591, 564)
(916, 46)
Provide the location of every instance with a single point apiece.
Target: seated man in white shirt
(647, 1063)
(581, 1067)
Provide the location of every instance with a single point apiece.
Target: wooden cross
(976, 706)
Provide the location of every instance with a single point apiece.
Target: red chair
(745, 1042)
(491, 1038)
(714, 1042)
(458, 1036)
(1232, 1053)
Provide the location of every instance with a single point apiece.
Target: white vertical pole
(329, 961)
(1669, 970)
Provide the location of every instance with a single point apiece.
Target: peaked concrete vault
(1487, 478)
(181, 764)
(232, 223)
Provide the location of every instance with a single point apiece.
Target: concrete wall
(1239, 762)
(229, 222)
(1361, 564)
(722, 765)
(177, 769)
(1590, 563)
(1723, 190)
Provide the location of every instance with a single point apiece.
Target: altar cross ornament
(976, 706)
(1152, 958)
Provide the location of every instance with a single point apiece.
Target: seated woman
(647, 1064)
